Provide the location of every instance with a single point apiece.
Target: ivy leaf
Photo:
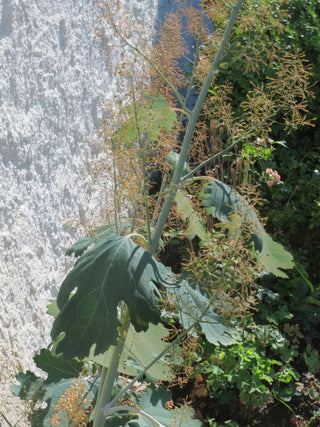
(223, 202)
(140, 350)
(188, 214)
(191, 304)
(151, 117)
(114, 270)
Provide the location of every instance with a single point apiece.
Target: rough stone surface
(53, 77)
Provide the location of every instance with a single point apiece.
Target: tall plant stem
(115, 197)
(163, 217)
(216, 156)
(110, 374)
(171, 346)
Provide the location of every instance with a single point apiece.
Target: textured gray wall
(53, 77)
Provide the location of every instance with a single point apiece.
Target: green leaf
(191, 305)
(223, 202)
(151, 117)
(52, 308)
(153, 403)
(114, 270)
(154, 413)
(30, 387)
(188, 214)
(82, 244)
(61, 373)
(34, 388)
(57, 367)
(142, 348)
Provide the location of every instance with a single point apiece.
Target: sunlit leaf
(193, 305)
(151, 117)
(223, 202)
(34, 389)
(57, 367)
(188, 214)
(141, 349)
(114, 270)
(153, 412)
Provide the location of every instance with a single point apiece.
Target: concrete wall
(53, 77)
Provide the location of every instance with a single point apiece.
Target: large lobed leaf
(140, 350)
(223, 203)
(195, 306)
(114, 270)
(61, 374)
(152, 412)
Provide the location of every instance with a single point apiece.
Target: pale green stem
(190, 130)
(111, 374)
(115, 198)
(216, 156)
(142, 143)
(5, 418)
(167, 350)
(159, 200)
(142, 147)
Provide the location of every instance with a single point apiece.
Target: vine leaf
(223, 203)
(140, 350)
(113, 270)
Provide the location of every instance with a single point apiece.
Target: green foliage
(57, 367)
(109, 303)
(223, 202)
(151, 117)
(196, 308)
(285, 299)
(61, 374)
(247, 371)
(292, 209)
(114, 270)
(153, 412)
(187, 213)
(140, 350)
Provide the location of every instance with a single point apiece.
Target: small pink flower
(270, 183)
(269, 171)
